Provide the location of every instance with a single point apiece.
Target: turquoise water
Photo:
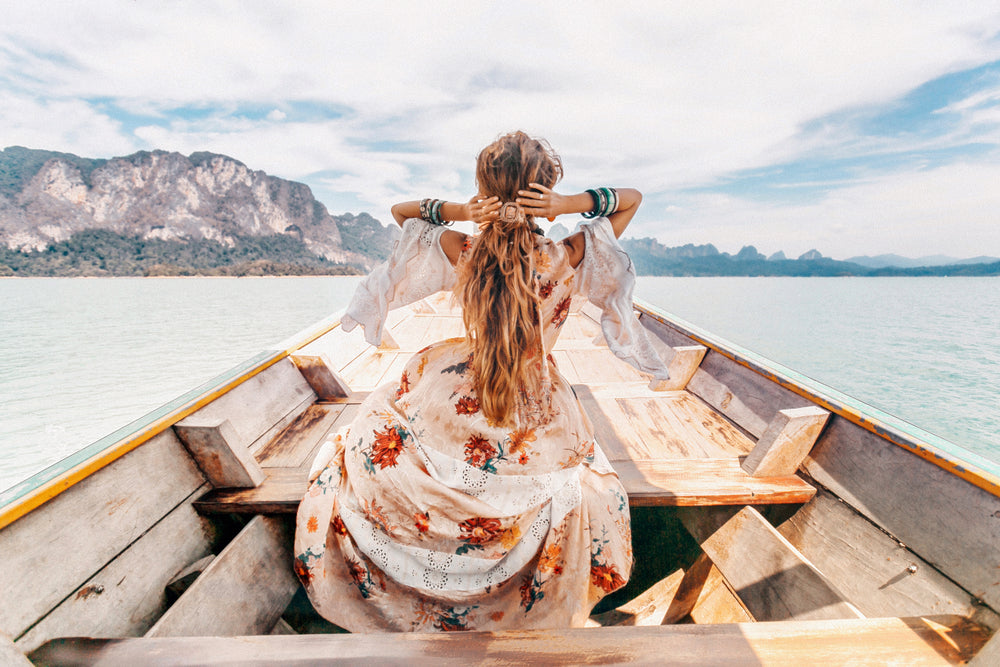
(81, 357)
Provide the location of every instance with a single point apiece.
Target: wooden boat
(775, 520)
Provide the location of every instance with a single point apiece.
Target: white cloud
(952, 210)
(659, 96)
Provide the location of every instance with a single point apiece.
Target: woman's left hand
(541, 201)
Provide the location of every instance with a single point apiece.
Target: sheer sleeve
(607, 278)
(416, 269)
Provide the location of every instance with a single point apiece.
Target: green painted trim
(934, 448)
(21, 489)
(17, 492)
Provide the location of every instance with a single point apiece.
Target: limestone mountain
(47, 197)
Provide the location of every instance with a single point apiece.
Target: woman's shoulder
(552, 256)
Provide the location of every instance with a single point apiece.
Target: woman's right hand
(480, 210)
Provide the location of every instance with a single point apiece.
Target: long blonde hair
(496, 281)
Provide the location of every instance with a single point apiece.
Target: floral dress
(422, 516)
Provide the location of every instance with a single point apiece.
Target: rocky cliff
(46, 198)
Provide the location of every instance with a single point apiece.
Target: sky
(853, 128)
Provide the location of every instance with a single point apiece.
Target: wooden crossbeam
(318, 372)
(215, 446)
(930, 640)
(772, 579)
(786, 442)
(690, 482)
(243, 591)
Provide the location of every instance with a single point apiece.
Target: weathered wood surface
(647, 608)
(318, 372)
(128, 595)
(642, 424)
(10, 655)
(989, 655)
(264, 402)
(746, 397)
(689, 589)
(217, 449)
(876, 573)
(719, 603)
(693, 482)
(774, 581)
(948, 522)
(50, 553)
(290, 448)
(785, 443)
(243, 591)
(700, 482)
(940, 640)
(683, 363)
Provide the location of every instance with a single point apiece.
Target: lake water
(81, 357)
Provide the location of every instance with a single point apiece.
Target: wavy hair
(496, 282)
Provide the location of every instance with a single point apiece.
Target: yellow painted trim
(49, 490)
(962, 469)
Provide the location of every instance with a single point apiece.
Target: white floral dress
(423, 516)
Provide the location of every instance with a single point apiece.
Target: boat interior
(774, 521)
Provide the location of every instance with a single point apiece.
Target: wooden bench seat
(678, 482)
(932, 640)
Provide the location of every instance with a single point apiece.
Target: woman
(469, 493)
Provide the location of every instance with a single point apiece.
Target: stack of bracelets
(430, 210)
(605, 202)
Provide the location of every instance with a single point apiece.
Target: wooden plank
(785, 443)
(366, 372)
(701, 482)
(664, 333)
(565, 366)
(279, 493)
(718, 603)
(876, 573)
(93, 521)
(689, 589)
(601, 365)
(290, 448)
(126, 597)
(10, 655)
(260, 403)
(318, 371)
(681, 366)
(243, 591)
(746, 397)
(933, 640)
(339, 347)
(944, 519)
(989, 655)
(647, 608)
(215, 446)
(696, 482)
(774, 581)
(659, 423)
(413, 335)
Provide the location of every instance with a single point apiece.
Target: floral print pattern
(380, 474)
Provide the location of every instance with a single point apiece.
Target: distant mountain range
(160, 213)
(653, 258)
(883, 261)
(153, 213)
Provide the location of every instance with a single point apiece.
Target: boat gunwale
(31, 493)
(36, 490)
(983, 474)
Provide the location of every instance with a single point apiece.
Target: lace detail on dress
(607, 278)
(417, 268)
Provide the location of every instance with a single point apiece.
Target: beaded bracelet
(605, 202)
(430, 210)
